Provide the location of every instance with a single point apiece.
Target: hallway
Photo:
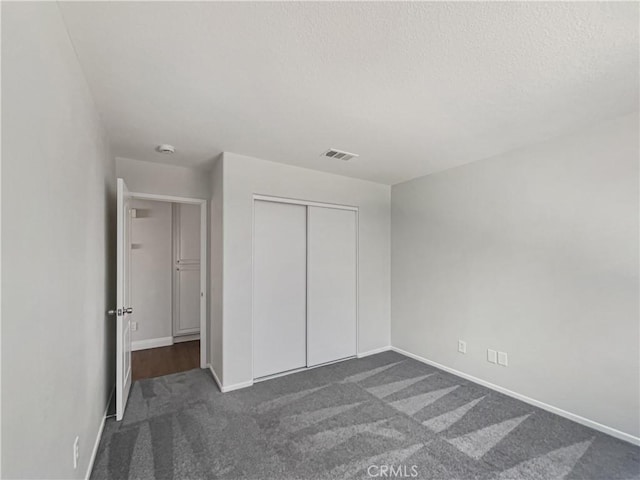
(155, 362)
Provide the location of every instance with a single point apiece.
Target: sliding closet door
(279, 289)
(331, 285)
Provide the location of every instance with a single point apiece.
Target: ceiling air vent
(339, 154)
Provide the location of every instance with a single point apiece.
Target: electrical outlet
(462, 346)
(76, 452)
(492, 356)
(502, 359)
(134, 326)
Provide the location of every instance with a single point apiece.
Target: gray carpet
(384, 416)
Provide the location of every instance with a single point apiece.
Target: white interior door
(186, 277)
(279, 290)
(123, 294)
(331, 285)
(186, 300)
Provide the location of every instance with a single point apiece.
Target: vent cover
(339, 154)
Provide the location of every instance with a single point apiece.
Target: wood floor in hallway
(155, 362)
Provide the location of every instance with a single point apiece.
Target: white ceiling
(413, 88)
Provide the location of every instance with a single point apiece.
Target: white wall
(163, 179)
(245, 176)
(152, 270)
(534, 253)
(215, 321)
(58, 245)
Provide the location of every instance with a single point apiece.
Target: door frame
(204, 288)
(306, 203)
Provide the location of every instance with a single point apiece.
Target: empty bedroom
(320, 240)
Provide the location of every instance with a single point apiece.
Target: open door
(123, 296)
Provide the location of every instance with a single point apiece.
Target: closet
(304, 286)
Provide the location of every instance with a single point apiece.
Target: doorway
(167, 281)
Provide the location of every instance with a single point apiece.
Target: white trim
(537, 403)
(237, 386)
(204, 229)
(151, 343)
(229, 388)
(186, 338)
(301, 369)
(374, 351)
(167, 198)
(253, 283)
(307, 223)
(282, 374)
(204, 287)
(94, 452)
(215, 377)
(308, 203)
(357, 281)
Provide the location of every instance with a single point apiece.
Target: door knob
(120, 311)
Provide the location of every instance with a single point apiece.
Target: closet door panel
(279, 289)
(331, 285)
(189, 230)
(186, 274)
(187, 300)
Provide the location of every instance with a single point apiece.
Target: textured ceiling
(413, 88)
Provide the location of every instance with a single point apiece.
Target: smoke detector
(339, 154)
(166, 149)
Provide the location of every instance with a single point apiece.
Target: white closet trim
(269, 198)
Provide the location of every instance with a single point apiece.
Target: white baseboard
(550, 408)
(301, 369)
(374, 351)
(237, 386)
(281, 374)
(215, 377)
(228, 388)
(249, 383)
(151, 343)
(96, 444)
(186, 338)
